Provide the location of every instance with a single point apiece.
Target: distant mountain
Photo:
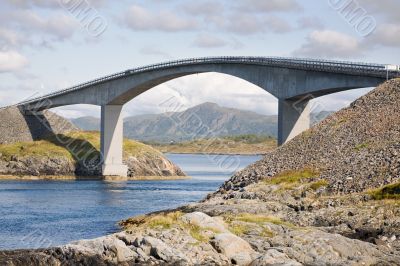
(87, 123)
(201, 121)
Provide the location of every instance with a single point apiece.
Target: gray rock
(160, 250)
(236, 249)
(274, 258)
(204, 221)
(109, 247)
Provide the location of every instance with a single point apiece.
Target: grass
(267, 233)
(163, 221)
(361, 146)
(391, 191)
(239, 229)
(241, 224)
(260, 219)
(75, 146)
(154, 221)
(197, 233)
(318, 184)
(289, 179)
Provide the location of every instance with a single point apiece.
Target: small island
(247, 144)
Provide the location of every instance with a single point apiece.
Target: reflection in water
(62, 211)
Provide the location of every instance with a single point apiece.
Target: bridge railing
(378, 70)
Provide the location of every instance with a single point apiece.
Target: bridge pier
(293, 119)
(112, 141)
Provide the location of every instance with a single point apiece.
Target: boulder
(204, 221)
(109, 247)
(160, 250)
(274, 258)
(237, 250)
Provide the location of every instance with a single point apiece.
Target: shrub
(391, 191)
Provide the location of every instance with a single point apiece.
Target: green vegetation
(288, 180)
(166, 221)
(260, 219)
(249, 138)
(160, 220)
(290, 177)
(241, 144)
(243, 223)
(318, 184)
(391, 191)
(239, 229)
(197, 233)
(361, 146)
(74, 145)
(267, 233)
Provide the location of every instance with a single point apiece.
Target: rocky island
(328, 197)
(47, 146)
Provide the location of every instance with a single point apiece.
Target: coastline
(218, 153)
(87, 178)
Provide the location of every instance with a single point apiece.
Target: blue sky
(44, 46)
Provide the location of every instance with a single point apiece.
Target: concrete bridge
(293, 81)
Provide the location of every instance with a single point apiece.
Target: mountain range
(201, 121)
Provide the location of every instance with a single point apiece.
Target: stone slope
(354, 149)
(14, 126)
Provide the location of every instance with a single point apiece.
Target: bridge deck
(349, 68)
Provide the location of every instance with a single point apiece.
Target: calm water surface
(37, 214)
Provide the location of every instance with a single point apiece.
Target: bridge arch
(293, 81)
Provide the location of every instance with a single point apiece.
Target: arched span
(292, 81)
(285, 78)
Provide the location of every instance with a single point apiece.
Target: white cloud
(329, 44)
(244, 24)
(206, 8)
(141, 19)
(385, 34)
(9, 37)
(49, 3)
(310, 23)
(277, 24)
(209, 41)
(270, 5)
(58, 25)
(149, 50)
(12, 61)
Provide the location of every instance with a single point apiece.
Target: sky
(47, 45)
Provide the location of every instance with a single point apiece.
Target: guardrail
(356, 68)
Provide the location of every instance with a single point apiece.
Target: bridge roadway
(293, 81)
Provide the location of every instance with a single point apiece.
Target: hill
(77, 154)
(354, 149)
(49, 145)
(195, 123)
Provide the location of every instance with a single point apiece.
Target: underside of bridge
(294, 82)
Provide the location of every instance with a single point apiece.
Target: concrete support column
(112, 140)
(293, 119)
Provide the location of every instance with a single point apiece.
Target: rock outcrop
(354, 149)
(77, 154)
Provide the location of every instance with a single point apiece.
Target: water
(44, 213)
